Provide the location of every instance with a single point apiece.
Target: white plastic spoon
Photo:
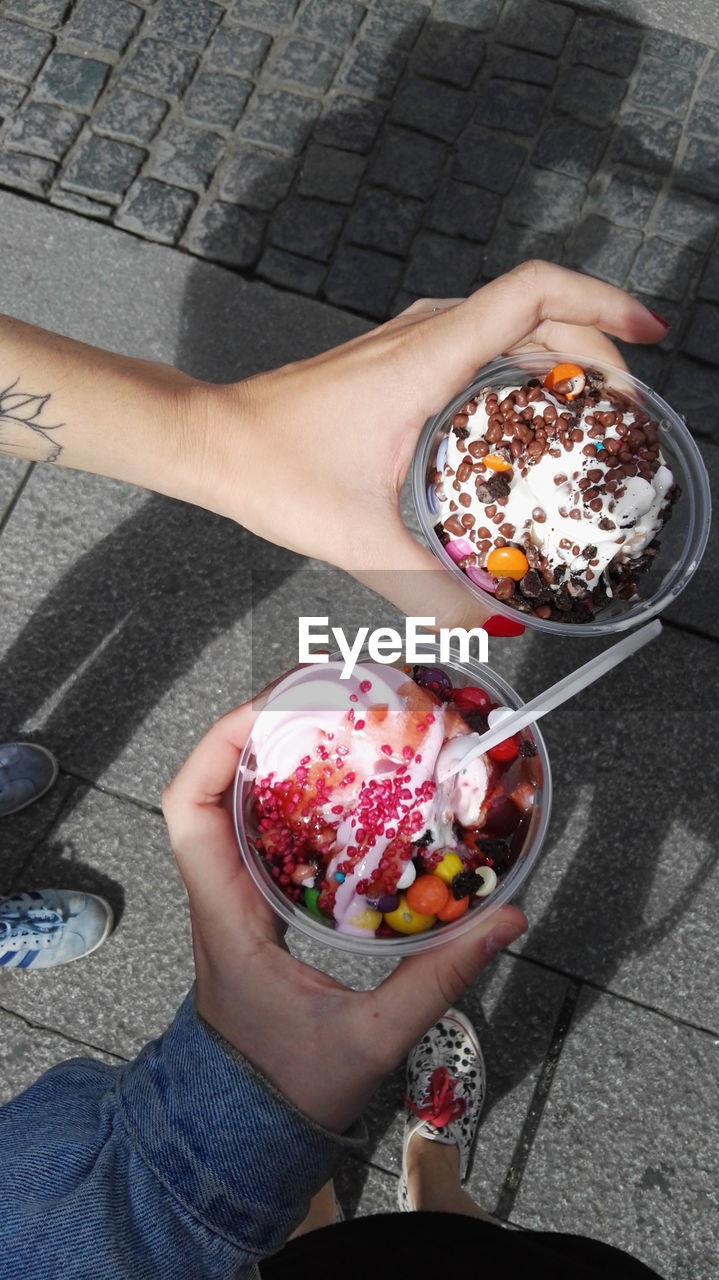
(513, 721)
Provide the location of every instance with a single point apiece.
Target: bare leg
(321, 1213)
(433, 1180)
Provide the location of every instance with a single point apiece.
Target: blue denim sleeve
(185, 1162)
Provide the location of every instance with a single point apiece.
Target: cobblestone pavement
(370, 153)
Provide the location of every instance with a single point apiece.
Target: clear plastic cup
(461, 674)
(681, 541)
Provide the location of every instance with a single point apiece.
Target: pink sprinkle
(407, 752)
(305, 760)
(360, 724)
(418, 758)
(430, 719)
(353, 697)
(386, 749)
(365, 686)
(337, 808)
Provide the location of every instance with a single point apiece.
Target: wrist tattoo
(21, 431)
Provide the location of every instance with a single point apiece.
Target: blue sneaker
(47, 927)
(26, 773)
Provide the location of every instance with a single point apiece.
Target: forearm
(75, 405)
(182, 1163)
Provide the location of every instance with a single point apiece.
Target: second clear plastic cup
(323, 930)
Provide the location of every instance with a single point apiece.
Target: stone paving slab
(627, 1150)
(680, 18)
(363, 1190)
(696, 606)
(369, 153)
(24, 831)
(27, 1051)
(153, 663)
(128, 991)
(12, 473)
(626, 891)
(93, 286)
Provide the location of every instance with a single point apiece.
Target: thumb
(423, 987)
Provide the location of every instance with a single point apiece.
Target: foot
(48, 927)
(445, 1094)
(26, 773)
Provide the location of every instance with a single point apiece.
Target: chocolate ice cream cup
(525, 850)
(679, 544)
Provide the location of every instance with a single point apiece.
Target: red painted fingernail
(659, 318)
(498, 625)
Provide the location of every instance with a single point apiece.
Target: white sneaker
(446, 1084)
(48, 927)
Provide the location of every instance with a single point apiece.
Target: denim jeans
(185, 1163)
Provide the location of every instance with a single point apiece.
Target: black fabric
(396, 1245)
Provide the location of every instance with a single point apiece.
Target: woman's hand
(313, 455)
(325, 1047)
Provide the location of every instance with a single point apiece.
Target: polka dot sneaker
(26, 773)
(48, 927)
(446, 1085)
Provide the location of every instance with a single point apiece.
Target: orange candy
(429, 895)
(455, 908)
(507, 562)
(567, 380)
(495, 463)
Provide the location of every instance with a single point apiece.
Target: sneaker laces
(440, 1105)
(18, 923)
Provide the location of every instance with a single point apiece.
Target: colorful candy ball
(567, 380)
(428, 895)
(507, 562)
(405, 920)
(455, 908)
(450, 866)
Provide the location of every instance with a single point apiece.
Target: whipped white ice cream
(363, 755)
(585, 485)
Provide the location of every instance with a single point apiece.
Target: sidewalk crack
(535, 1111)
